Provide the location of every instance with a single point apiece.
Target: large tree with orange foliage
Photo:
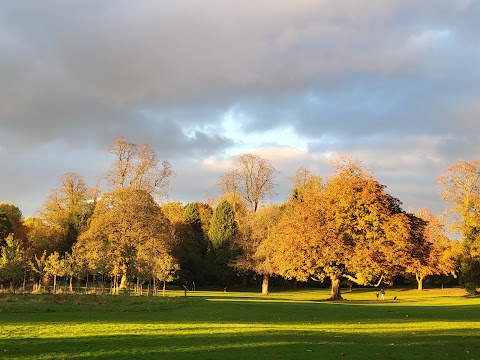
(462, 189)
(350, 228)
(434, 253)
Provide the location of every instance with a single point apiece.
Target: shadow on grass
(248, 345)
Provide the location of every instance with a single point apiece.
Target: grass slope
(438, 324)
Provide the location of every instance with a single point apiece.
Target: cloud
(393, 82)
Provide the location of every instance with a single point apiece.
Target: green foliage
(223, 234)
(223, 227)
(13, 263)
(470, 273)
(6, 227)
(12, 224)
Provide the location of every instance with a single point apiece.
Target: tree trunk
(294, 283)
(419, 282)
(335, 289)
(164, 285)
(24, 278)
(71, 285)
(266, 277)
(123, 282)
(246, 280)
(54, 283)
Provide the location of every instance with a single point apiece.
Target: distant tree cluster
(344, 228)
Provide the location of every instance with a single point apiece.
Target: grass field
(433, 324)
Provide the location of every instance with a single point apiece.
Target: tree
(137, 167)
(55, 266)
(123, 220)
(44, 237)
(14, 224)
(223, 234)
(304, 178)
(462, 189)
(348, 229)
(436, 254)
(165, 269)
(252, 177)
(6, 228)
(38, 265)
(255, 245)
(13, 262)
(67, 210)
(192, 246)
(71, 268)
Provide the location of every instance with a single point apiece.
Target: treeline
(342, 228)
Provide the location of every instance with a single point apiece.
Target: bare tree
(252, 177)
(136, 167)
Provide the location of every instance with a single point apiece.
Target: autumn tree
(165, 269)
(123, 221)
(55, 266)
(71, 269)
(348, 229)
(43, 237)
(461, 184)
(154, 258)
(67, 210)
(13, 262)
(136, 167)
(261, 247)
(435, 253)
(38, 265)
(302, 179)
(252, 178)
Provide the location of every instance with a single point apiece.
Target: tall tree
(348, 229)
(435, 253)
(252, 177)
(462, 189)
(223, 234)
(136, 167)
(190, 225)
(67, 210)
(123, 221)
(263, 222)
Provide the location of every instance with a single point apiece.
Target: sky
(394, 84)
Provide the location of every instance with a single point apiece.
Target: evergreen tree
(223, 234)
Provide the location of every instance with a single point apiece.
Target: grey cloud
(346, 76)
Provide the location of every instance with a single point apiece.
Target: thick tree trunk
(266, 278)
(123, 282)
(294, 284)
(419, 282)
(335, 289)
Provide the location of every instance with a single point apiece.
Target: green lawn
(433, 324)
